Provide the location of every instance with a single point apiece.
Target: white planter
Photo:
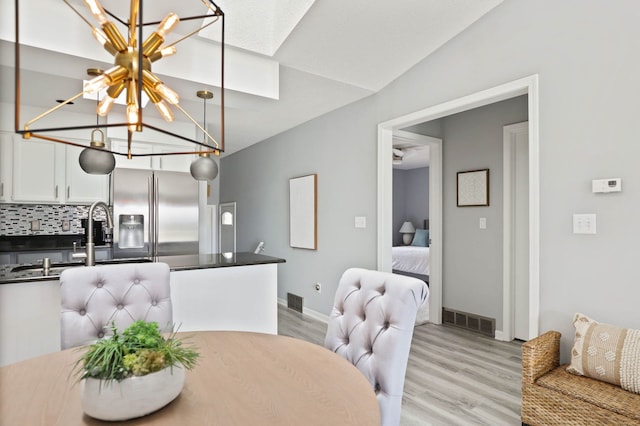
(132, 397)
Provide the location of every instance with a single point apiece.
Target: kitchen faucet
(90, 254)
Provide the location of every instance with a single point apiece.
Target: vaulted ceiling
(286, 61)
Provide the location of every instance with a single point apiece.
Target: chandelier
(134, 46)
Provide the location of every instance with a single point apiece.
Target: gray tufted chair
(93, 296)
(371, 325)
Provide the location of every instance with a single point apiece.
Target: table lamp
(407, 230)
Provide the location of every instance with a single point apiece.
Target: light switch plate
(361, 221)
(584, 223)
(483, 223)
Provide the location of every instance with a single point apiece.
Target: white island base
(242, 298)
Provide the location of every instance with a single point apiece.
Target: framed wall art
(303, 212)
(472, 188)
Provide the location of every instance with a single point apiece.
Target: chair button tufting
(154, 303)
(82, 312)
(376, 388)
(100, 335)
(100, 284)
(136, 281)
(120, 306)
(386, 324)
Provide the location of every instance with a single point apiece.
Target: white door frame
(508, 282)
(524, 86)
(435, 211)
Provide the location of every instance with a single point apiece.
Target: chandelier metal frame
(137, 78)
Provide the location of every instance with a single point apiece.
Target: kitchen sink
(56, 268)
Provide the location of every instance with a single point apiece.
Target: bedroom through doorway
(410, 239)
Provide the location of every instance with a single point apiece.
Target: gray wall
(585, 54)
(472, 257)
(410, 199)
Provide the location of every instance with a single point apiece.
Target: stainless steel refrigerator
(155, 213)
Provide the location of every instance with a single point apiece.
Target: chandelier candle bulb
(97, 11)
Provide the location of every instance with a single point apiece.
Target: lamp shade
(407, 228)
(204, 168)
(97, 161)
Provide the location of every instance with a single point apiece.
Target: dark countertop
(41, 242)
(176, 263)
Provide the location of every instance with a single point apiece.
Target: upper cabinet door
(174, 163)
(38, 171)
(134, 162)
(6, 157)
(82, 187)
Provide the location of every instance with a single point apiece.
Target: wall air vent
(294, 302)
(472, 322)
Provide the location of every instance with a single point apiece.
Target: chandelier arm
(198, 125)
(134, 9)
(80, 15)
(55, 108)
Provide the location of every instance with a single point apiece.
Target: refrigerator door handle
(156, 212)
(151, 225)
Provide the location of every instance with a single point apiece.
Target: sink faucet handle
(79, 255)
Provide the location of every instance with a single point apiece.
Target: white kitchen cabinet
(29, 320)
(6, 157)
(45, 172)
(176, 163)
(241, 298)
(38, 171)
(81, 187)
(133, 162)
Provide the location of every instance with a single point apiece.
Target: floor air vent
(469, 321)
(294, 302)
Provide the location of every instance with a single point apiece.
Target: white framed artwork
(303, 212)
(472, 188)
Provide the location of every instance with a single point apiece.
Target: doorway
(227, 227)
(525, 86)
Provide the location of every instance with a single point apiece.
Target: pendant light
(94, 160)
(203, 167)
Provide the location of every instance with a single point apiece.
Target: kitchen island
(235, 291)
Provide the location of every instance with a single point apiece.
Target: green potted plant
(133, 373)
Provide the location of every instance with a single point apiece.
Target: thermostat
(606, 185)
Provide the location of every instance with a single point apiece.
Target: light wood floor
(454, 377)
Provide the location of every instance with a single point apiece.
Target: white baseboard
(309, 312)
(500, 335)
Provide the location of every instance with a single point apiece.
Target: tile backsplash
(44, 219)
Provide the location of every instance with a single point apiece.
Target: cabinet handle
(56, 192)
(68, 191)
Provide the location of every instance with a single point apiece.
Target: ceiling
(286, 61)
(409, 155)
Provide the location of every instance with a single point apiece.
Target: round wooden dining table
(241, 378)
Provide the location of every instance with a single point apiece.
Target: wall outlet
(317, 287)
(66, 225)
(35, 225)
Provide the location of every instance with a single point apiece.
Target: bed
(411, 260)
(414, 262)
